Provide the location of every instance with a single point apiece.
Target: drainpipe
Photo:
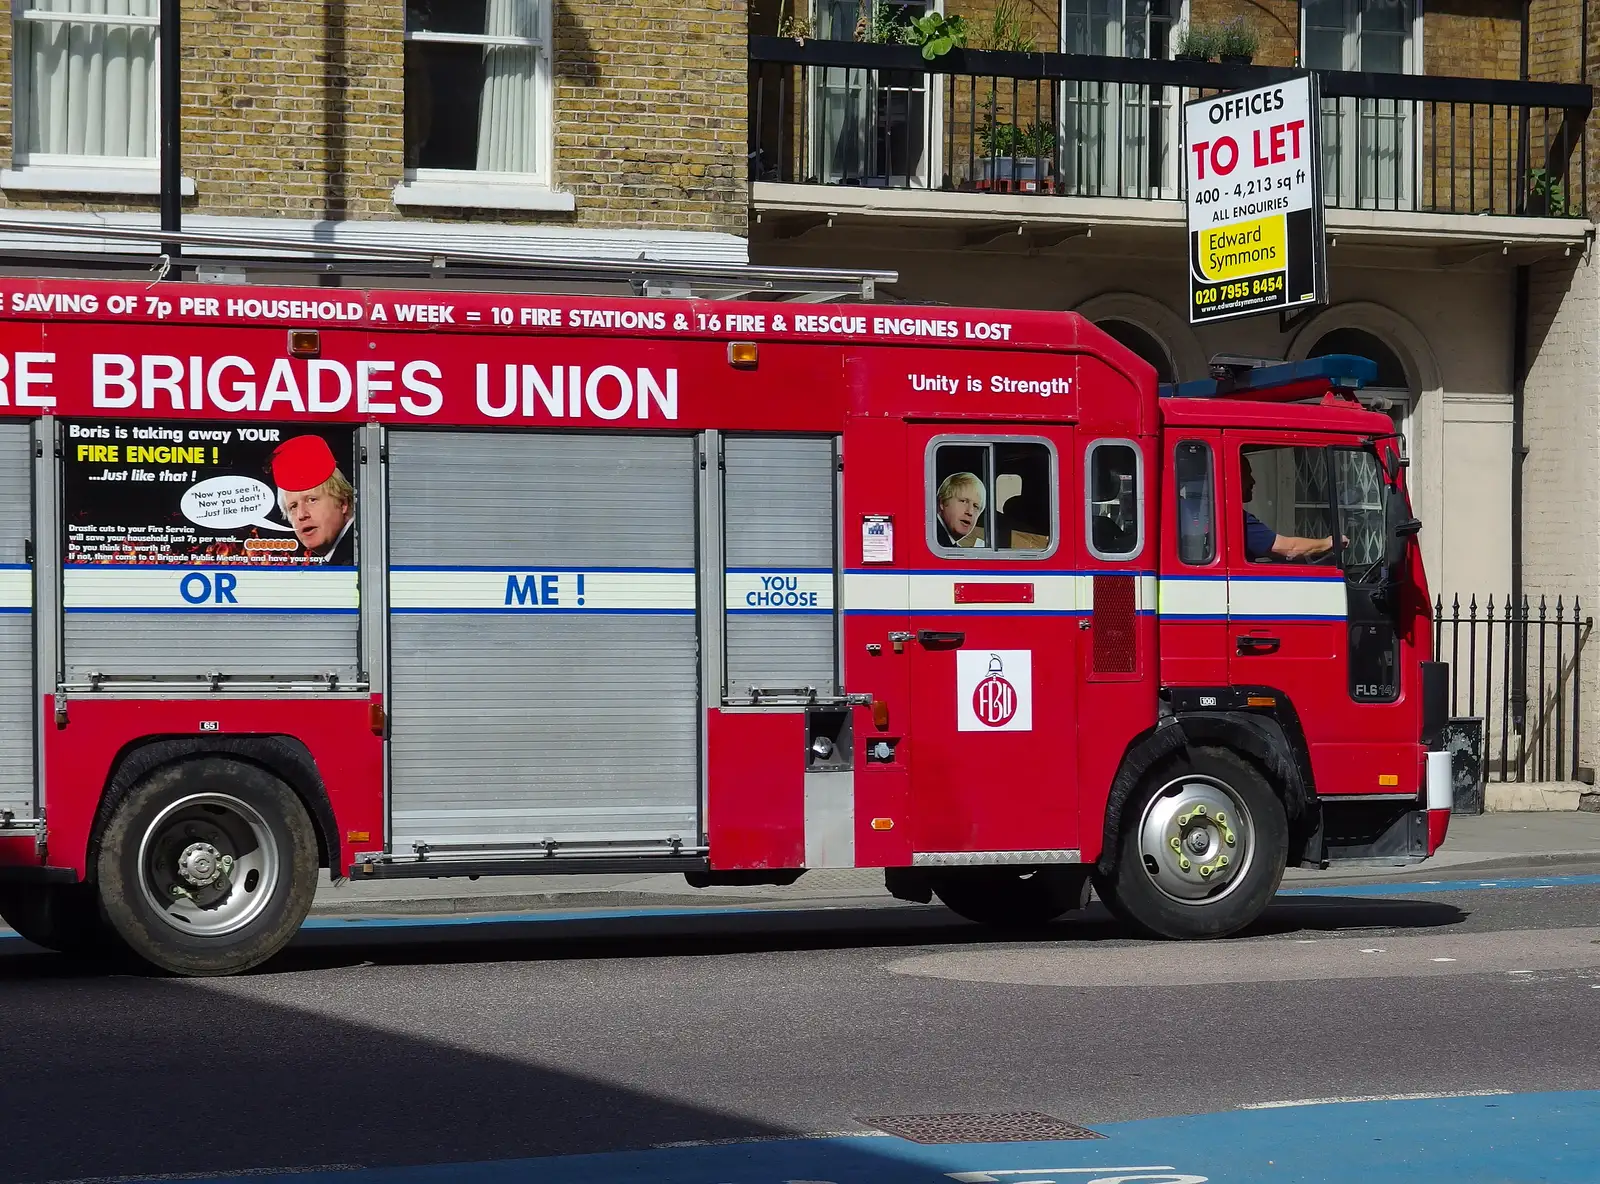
(171, 130)
(1519, 452)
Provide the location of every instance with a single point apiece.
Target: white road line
(1465, 1093)
(767, 1139)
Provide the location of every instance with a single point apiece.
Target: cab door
(993, 636)
(1315, 630)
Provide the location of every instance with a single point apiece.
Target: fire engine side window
(1115, 493)
(994, 496)
(1197, 511)
(1285, 492)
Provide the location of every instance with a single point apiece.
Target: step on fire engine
(421, 585)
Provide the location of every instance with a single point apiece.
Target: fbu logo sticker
(994, 691)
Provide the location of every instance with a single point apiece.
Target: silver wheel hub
(209, 864)
(202, 865)
(1196, 839)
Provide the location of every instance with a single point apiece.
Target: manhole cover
(1019, 1127)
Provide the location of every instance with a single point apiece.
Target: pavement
(1488, 842)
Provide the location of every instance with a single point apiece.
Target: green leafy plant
(1007, 139)
(1008, 29)
(1198, 42)
(881, 24)
(792, 24)
(1547, 194)
(1237, 38)
(937, 34)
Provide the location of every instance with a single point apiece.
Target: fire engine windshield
(1358, 480)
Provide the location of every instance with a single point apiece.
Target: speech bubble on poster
(222, 503)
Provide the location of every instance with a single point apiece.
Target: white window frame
(1412, 63)
(931, 174)
(56, 172)
(1114, 118)
(475, 189)
(1089, 502)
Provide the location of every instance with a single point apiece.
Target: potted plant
(1017, 154)
(1237, 42)
(1194, 43)
(937, 34)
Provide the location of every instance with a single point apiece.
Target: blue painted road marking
(1553, 1138)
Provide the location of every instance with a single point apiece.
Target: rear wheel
(1202, 848)
(61, 917)
(1008, 897)
(208, 867)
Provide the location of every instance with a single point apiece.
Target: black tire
(1135, 894)
(1012, 898)
(175, 828)
(61, 917)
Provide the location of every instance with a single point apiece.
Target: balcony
(1063, 144)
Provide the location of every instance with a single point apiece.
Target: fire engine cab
(395, 584)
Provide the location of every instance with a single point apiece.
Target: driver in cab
(1262, 544)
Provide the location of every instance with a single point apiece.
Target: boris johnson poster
(187, 493)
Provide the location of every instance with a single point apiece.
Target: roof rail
(1282, 383)
(218, 249)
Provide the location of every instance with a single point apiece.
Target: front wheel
(208, 867)
(1012, 898)
(1202, 850)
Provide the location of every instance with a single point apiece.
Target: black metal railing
(845, 113)
(1519, 668)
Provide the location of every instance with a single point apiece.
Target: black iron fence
(844, 113)
(1518, 667)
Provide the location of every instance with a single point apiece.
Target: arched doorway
(1391, 393)
(1144, 343)
(1151, 330)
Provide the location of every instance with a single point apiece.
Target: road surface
(696, 1045)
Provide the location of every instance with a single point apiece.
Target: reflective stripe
(1286, 599)
(16, 588)
(139, 589)
(1198, 597)
(524, 590)
(775, 590)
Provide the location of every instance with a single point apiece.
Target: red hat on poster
(303, 462)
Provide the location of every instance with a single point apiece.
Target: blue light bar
(1345, 371)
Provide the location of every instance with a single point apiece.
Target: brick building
(1456, 159)
(539, 125)
(1038, 167)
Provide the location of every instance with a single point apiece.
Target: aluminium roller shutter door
(543, 650)
(780, 532)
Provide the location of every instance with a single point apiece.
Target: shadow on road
(114, 1074)
(417, 941)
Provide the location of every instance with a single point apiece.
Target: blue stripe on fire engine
(16, 588)
(1055, 593)
(1218, 598)
(775, 591)
(523, 590)
(143, 589)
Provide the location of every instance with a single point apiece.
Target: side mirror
(1400, 541)
(1402, 526)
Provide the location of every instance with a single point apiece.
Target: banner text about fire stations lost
(268, 495)
(1255, 208)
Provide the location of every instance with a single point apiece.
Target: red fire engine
(470, 584)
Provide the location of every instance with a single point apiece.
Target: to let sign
(1255, 201)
